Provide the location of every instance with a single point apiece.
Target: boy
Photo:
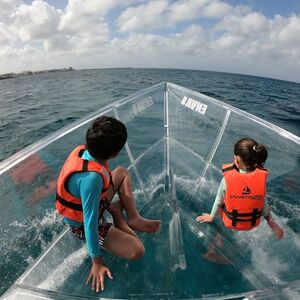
(85, 188)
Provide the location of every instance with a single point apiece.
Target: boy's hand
(204, 218)
(97, 274)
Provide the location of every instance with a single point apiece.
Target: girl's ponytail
(252, 154)
(261, 154)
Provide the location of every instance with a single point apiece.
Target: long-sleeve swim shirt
(219, 200)
(87, 186)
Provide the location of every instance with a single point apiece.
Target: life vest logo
(194, 105)
(246, 190)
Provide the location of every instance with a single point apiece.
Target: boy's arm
(90, 191)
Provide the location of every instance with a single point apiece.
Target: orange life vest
(68, 205)
(244, 197)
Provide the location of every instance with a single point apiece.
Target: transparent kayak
(178, 141)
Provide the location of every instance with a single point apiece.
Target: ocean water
(32, 107)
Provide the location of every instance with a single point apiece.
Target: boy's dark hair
(252, 154)
(105, 137)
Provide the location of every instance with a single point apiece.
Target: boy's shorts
(102, 231)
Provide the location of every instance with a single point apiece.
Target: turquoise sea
(31, 107)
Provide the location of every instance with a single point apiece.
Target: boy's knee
(122, 171)
(137, 252)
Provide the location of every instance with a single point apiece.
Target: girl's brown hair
(252, 154)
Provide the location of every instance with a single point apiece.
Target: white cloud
(185, 10)
(252, 23)
(6, 37)
(146, 16)
(288, 29)
(83, 14)
(82, 27)
(161, 13)
(216, 9)
(226, 42)
(190, 42)
(277, 38)
(7, 7)
(236, 38)
(83, 42)
(181, 11)
(25, 58)
(36, 21)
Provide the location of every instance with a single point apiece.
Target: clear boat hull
(178, 141)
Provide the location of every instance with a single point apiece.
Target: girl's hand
(204, 218)
(97, 274)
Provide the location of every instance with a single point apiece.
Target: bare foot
(139, 223)
(278, 231)
(211, 254)
(219, 240)
(217, 258)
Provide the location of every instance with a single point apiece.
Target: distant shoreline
(27, 73)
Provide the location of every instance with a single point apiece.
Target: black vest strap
(68, 204)
(234, 216)
(255, 216)
(110, 182)
(85, 164)
(232, 167)
(234, 219)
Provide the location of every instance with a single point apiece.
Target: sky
(255, 37)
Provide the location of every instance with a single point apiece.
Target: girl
(241, 197)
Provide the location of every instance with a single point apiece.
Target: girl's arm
(278, 231)
(205, 217)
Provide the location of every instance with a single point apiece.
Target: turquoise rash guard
(87, 186)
